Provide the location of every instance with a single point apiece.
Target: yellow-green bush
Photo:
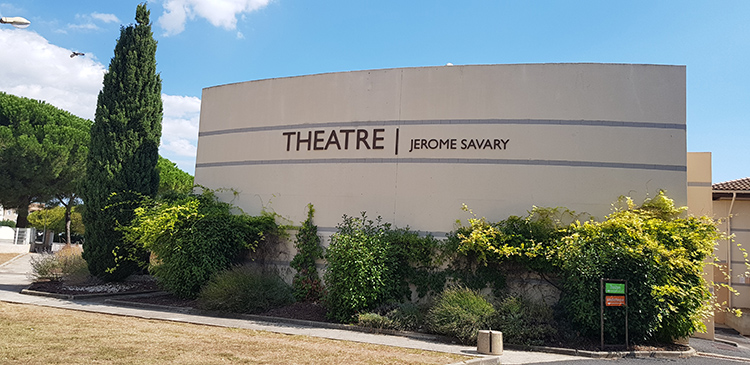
(658, 251)
(655, 247)
(194, 236)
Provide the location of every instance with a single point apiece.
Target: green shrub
(483, 248)
(358, 274)
(8, 223)
(415, 260)
(306, 282)
(370, 264)
(654, 247)
(526, 240)
(193, 237)
(243, 290)
(460, 313)
(658, 252)
(523, 322)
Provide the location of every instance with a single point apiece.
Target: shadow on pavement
(13, 288)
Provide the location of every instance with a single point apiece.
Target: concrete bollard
(490, 342)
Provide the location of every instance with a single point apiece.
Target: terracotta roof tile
(733, 185)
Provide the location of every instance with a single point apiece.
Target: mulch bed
(94, 286)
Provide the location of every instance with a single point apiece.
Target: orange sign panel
(614, 300)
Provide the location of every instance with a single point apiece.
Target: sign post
(613, 293)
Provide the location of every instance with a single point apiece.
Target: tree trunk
(68, 209)
(23, 214)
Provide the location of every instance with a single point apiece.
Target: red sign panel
(614, 300)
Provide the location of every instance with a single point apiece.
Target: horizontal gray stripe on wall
(699, 184)
(468, 161)
(740, 229)
(592, 123)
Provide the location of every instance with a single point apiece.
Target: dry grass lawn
(5, 257)
(41, 335)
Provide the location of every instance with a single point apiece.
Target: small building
(8, 214)
(731, 204)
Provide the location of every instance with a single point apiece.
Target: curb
(480, 361)
(722, 357)
(79, 296)
(726, 342)
(609, 354)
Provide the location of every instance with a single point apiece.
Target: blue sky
(205, 43)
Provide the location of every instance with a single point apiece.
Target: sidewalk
(13, 278)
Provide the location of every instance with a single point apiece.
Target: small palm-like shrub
(403, 317)
(243, 290)
(460, 313)
(374, 320)
(522, 321)
(407, 316)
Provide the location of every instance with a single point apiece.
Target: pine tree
(124, 150)
(42, 152)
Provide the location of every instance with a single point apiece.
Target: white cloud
(44, 71)
(39, 70)
(179, 129)
(88, 21)
(85, 26)
(9, 10)
(220, 13)
(107, 18)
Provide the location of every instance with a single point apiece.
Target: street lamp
(15, 21)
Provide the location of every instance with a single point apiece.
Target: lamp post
(15, 21)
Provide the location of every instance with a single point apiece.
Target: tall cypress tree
(124, 150)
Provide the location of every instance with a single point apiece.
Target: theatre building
(412, 145)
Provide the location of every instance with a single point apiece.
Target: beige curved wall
(573, 135)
